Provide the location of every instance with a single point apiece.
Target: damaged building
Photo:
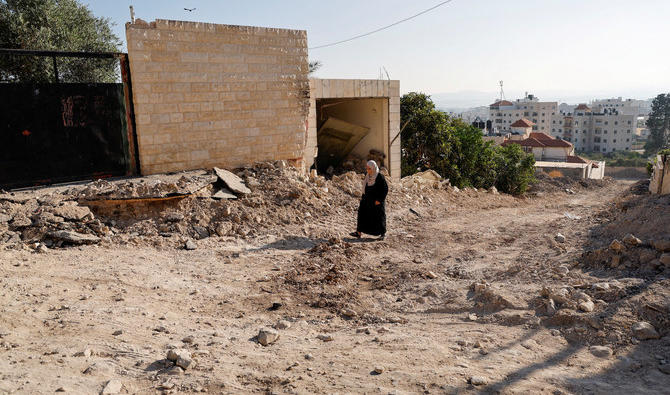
(219, 95)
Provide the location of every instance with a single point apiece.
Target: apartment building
(626, 107)
(504, 113)
(605, 130)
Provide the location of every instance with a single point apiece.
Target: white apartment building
(626, 107)
(504, 113)
(606, 130)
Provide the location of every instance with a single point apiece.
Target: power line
(383, 28)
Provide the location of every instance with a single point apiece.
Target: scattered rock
(431, 275)
(600, 287)
(309, 357)
(73, 237)
(181, 358)
(378, 370)
(559, 238)
(86, 353)
(190, 245)
(72, 212)
(550, 307)
(201, 232)
(61, 389)
(664, 368)
(563, 270)
(175, 371)
(601, 351)
(586, 306)
(283, 324)
(478, 380)
(325, 338)
(267, 336)
(616, 246)
(223, 193)
(349, 313)
(117, 332)
(188, 339)
(665, 259)
(112, 387)
(233, 182)
(472, 317)
(644, 330)
(631, 240)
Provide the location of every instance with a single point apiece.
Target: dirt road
(397, 316)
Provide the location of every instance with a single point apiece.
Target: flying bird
(189, 9)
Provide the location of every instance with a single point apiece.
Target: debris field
(246, 281)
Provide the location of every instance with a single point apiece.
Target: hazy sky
(557, 49)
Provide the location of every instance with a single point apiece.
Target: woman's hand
(377, 203)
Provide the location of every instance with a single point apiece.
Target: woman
(372, 210)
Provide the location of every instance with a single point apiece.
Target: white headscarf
(370, 180)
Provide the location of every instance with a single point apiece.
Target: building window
(616, 122)
(605, 122)
(628, 131)
(614, 141)
(553, 130)
(615, 132)
(629, 122)
(605, 132)
(627, 140)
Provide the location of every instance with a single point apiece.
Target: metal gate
(56, 132)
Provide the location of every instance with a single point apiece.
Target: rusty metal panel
(53, 133)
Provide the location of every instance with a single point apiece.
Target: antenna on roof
(502, 92)
(132, 15)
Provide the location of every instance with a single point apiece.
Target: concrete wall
(217, 95)
(660, 178)
(380, 89)
(627, 173)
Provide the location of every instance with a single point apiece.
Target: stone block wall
(217, 95)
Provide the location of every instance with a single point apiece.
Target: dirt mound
(547, 184)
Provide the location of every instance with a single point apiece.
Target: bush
(515, 169)
(456, 150)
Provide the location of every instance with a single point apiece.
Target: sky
(560, 50)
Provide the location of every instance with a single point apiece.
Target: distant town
(602, 125)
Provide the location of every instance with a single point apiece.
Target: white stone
(233, 182)
(586, 306)
(559, 238)
(478, 380)
(325, 338)
(665, 259)
(267, 336)
(112, 387)
(601, 351)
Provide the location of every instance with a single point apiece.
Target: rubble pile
(267, 196)
(567, 184)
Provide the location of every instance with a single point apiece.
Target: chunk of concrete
(233, 182)
(73, 237)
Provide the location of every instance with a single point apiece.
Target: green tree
(456, 150)
(424, 135)
(658, 124)
(515, 170)
(56, 25)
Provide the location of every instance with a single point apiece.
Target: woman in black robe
(372, 210)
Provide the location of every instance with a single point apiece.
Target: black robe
(372, 218)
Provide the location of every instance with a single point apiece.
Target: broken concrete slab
(336, 139)
(73, 237)
(233, 182)
(224, 193)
